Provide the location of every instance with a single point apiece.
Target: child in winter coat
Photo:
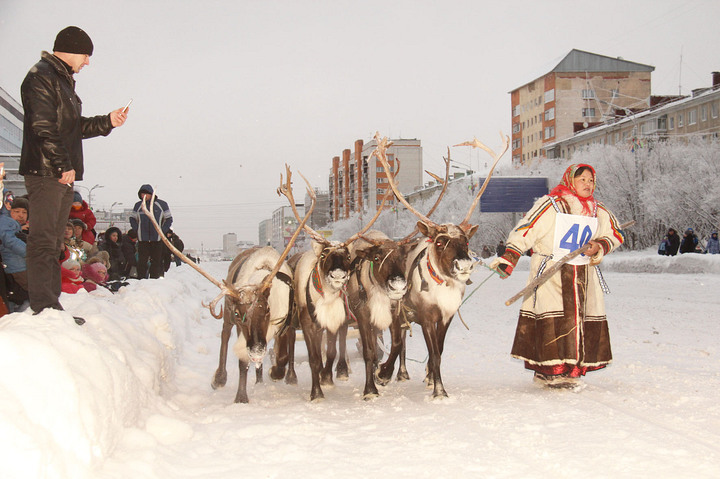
(71, 279)
(95, 273)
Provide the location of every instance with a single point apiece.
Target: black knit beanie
(73, 40)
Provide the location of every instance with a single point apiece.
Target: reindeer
(258, 296)
(376, 291)
(438, 270)
(320, 277)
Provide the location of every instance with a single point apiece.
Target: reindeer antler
(437, 201)
(285, 189)
(268, 279)
(475, 143)
(380, 209)
(382, 145)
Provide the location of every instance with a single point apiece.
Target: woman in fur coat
(562, 331)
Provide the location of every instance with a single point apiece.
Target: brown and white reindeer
(376, 291)
(438, 269)
(320, 276)
(258, 298)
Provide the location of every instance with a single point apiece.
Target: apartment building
(358, 182)
(11, 127)
(696, 115)
(583, 90)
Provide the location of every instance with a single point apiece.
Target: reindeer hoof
(291, 377)
(326, 379)
(342, 373)
(317, 397)
(403, 376)
(370, 396)
(276, 373)
(380, 379)
(441, 394)
(242, 398)
(219, 379)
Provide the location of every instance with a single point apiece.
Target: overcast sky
(226, 92)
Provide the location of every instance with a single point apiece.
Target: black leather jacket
(54, 126)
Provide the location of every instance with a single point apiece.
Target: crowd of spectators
(672, 243)
(89, 259)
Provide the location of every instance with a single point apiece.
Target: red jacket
(88, 217)
(72, 282)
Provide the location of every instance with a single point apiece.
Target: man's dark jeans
(49, 209)
(150, 250)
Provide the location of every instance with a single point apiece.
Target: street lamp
(89, 190)
(111, 213)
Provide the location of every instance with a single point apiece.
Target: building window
(550, 96)
(549, 132)
(588, 94)
(692, 117)
(671, 126)
(714, 110)
(516, 144)
(617, 137)
(515, 111)
(516, 128)
(588, 112)
(680, 120)
(703, 113)
(615, 92)
(550, 114)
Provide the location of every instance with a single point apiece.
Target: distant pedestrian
(168, 256)
(500, 249)
(673, 242)
(713, 247)
(689, 242)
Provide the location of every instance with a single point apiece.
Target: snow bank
(68, 392)
(128, 394)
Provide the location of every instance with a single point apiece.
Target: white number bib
(571, 233)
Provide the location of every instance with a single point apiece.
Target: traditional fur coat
(563, 325)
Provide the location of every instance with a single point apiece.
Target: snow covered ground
(128, 394)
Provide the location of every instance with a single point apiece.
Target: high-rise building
(358, 182)
(583, 90)
(230, 244)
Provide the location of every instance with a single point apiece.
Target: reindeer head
(386, 260)
(448, 248)
(333, 258)
(333, 263)
(249, 310)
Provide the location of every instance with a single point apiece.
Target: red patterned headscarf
(566, 188)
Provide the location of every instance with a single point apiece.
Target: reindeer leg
(432, 333)
(342, 371)
(402, 374)
(277, 371)
(241, 395)
(313, 339)
(385, 371)
(369, 338)
(326, 378)
(259, 374)
(291, 376)
(220, 377)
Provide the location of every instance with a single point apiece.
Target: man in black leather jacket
(52, 157)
